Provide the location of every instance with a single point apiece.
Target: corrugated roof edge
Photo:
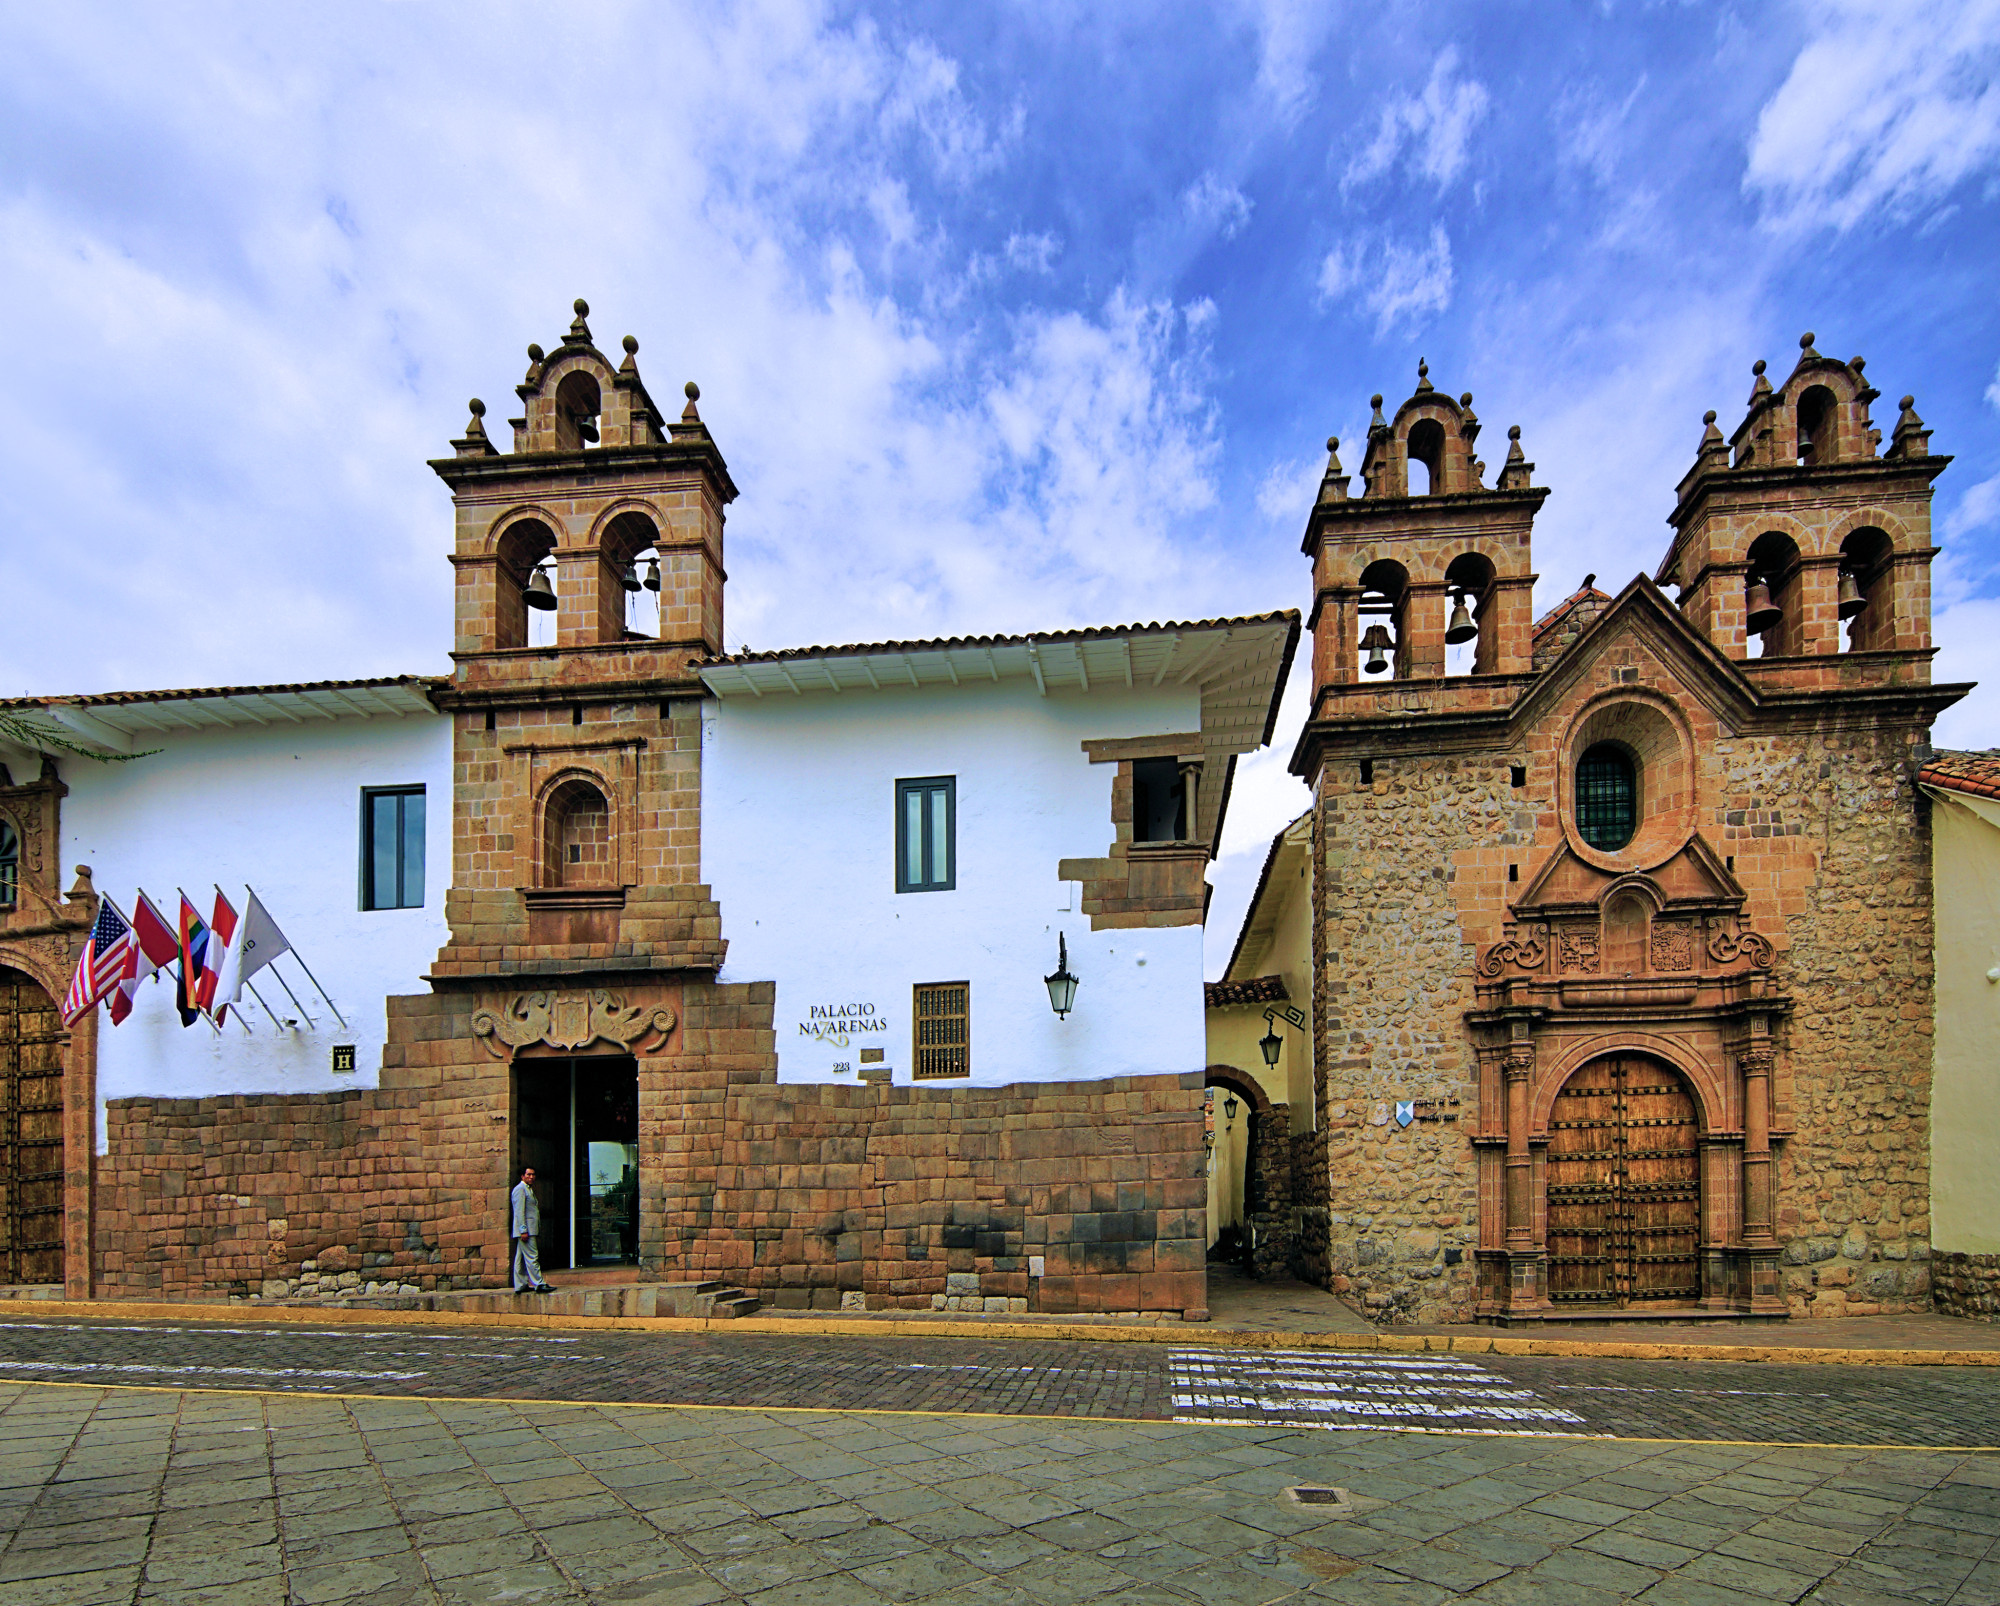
(780, 655)
(1974, 772)
(107, 699)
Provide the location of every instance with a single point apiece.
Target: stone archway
(1250, 1183)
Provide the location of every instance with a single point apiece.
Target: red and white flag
(221, 935)
(107, 955)
(157, 947)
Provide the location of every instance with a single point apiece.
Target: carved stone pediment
(1693, 880)
(571, 1021)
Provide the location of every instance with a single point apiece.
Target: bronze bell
(538, 593)
(631, 580)
(1375, 638)
(1461, 628)
(652, 574)
(1760, 612)
(1851, 599)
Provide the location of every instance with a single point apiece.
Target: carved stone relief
(1579, 951)
(572, 1021)
(1673, 946)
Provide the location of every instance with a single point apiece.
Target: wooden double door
(32, 1042)
(1624, 1187)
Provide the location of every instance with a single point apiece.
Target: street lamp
(1272, 1046)
(1062, 985)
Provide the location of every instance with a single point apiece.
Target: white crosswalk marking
(1307, 1388)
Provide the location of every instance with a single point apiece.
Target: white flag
(258, 941)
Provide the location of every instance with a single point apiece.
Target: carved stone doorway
(32, 1041)
(1624, 1187)
(576, 1121)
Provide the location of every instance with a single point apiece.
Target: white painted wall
(1965, 1083)
(798, 842)
(278, 808)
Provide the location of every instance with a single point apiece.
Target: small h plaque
(343, 1056)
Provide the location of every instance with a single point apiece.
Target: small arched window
(10, 865)
(1607, 797)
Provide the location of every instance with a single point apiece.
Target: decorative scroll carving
(1579, 950)
(570, 1021)
(1527, 953)
(1673, 947)
(1727, 946)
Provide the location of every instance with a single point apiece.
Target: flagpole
(272, 967)
(294, 952)
(267, 1008)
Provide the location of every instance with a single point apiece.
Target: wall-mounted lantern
(1271, 1045)
(1062, 985)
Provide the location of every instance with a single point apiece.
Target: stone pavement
(210, 1499)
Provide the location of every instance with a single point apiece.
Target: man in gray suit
(527, 1227)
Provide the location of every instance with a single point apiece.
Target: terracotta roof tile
(113, 699)
(1283, 616)
(1977, 773)
(1562, 610)
(1260, 990)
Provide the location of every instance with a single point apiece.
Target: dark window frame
(10, 863)
(929, 880)
(1174, 773)
(1607, 797)
(371, 901)
(954, 1056)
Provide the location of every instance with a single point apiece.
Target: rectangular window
(927, 834)
(392, 847)
(942, 1016)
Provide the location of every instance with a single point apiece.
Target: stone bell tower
(1408, 568)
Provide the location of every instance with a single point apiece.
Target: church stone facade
(1623, 932)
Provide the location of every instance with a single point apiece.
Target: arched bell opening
(1470, 647)
(1384, 588)
(578, 402)
(524, 581)
(1426, 449)
(577, 844)
(1867, 596)
(1818, 426)
(1623, 1189)
(632, 569)
(1772, 622)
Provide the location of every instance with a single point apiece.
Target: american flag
(113, 946)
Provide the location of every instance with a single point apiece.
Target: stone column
(1755, 1064)
(1520, 1173)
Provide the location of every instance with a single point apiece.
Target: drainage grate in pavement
(1319, 1494)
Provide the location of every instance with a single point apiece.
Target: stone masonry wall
(1967, 1286)
(1821, 824)
(905, 1196)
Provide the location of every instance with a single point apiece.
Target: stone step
(706, 1298)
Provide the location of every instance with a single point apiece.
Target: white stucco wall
(278, 808)
(798, 842)
(1965, 1084)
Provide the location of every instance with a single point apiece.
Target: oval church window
(1607, 797)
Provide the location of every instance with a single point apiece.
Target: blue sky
(1006, 317)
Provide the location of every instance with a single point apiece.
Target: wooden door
(32, 1041)
(1624, 1187)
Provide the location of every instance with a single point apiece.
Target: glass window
(1607, 797)
(926, 834)
(943, 1019)
(392, 847)
(10, 865)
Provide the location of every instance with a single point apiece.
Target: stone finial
(535, 356)
(631, 363)
(1806, 352)
(1378, 421)
(1711, 437)
(1515, 473)
(1912, 437)
(82, 891)
(689, 414)
(1465, 400)
(579, 330)
(476, 430)
(1333, 484)
(1589, 580)
(1762, 387)
(473, 443)
(1858, 364)
(1424, 377)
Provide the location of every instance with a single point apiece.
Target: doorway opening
(576, 1121)
(1624, 1181)
(32, 1041)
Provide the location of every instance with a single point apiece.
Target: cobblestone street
(225, 1476)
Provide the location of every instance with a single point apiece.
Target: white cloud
(1288, 490)
(1435, 126)
(1885, 110)
(1289, 35)
(1033, 253)
(1395, 283)
(1590, 130)
(1993, 391)
(1216, 207)
(1978, 509)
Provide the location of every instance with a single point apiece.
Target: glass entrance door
(576, 1121)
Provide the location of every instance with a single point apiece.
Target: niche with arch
(1774, 563)
(1642, 747)
(1384, 586)
(579, 400)
(1867, 559)
(579, 846)
(1469, 585)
